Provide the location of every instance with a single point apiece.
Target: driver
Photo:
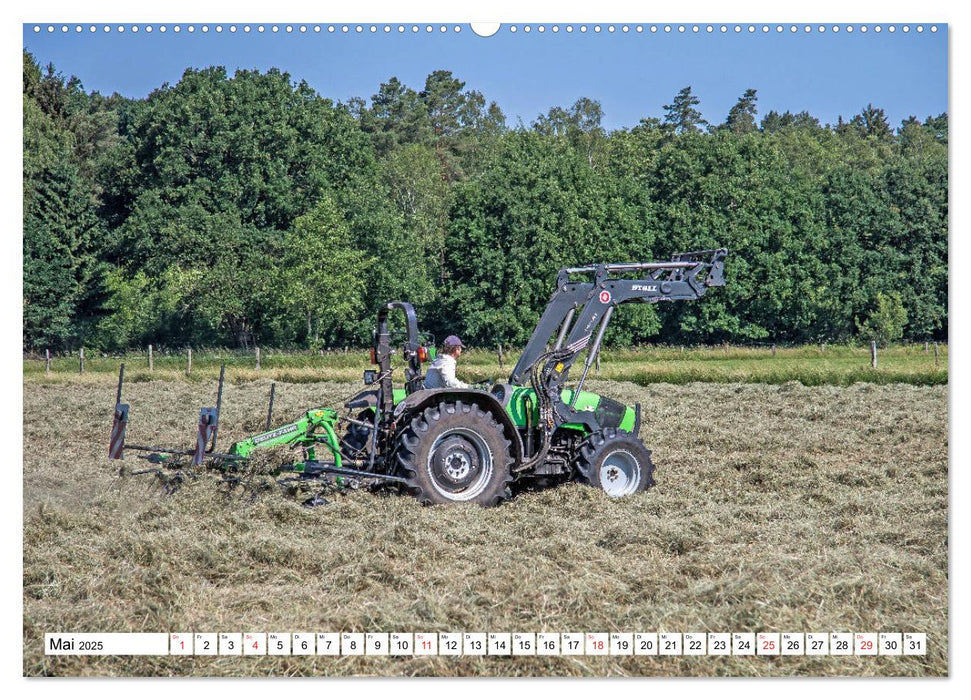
(441, 372)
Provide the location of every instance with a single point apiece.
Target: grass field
(811, 365)
(780, 508)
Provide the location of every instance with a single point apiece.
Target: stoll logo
(644, 287)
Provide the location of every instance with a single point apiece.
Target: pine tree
(872, 121)
(681, 113)
(741, 117)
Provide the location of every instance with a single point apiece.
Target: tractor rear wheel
(455, 452)
(617, 462)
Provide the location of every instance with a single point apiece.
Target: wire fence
(257, 358)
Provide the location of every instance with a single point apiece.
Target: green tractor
(472, 445)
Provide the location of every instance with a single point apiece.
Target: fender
(366, 399)
(419, 400)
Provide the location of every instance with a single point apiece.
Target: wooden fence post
(937, 362)
(773, 350)
(151, 360)
(925, 347)
(257, 358)
(873, 354)
(598, 360)
(188, 366)
(500, 356)
(81, 361)
(47, 366)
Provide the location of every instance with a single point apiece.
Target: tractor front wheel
(617, 462)
(455, 452)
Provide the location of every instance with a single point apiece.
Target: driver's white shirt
(441, 374)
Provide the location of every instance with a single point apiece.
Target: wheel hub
(620, 473)
(460, 464)
(455, 463)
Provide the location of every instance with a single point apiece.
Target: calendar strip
(504, 644)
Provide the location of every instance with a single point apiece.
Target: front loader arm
(559, 312)
(584, 308)
(579, 312)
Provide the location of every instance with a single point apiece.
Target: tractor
(472, 445)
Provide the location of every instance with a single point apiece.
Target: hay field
(778, 508)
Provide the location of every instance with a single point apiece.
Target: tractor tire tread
(600, 444)
(427, 425)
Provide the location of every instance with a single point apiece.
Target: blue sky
(632, 74)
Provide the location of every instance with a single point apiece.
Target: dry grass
(778, 508)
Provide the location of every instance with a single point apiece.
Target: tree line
(249, 209)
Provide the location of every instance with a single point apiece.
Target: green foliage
(255, 143)
(62, 275)
(139, 307)
(886, 322)
(247, 208)
(419, 198)
(322, 276)
(397, 116)
(537, 206)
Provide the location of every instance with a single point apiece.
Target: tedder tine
(121, 381)
(116, 444)
(219, 404)
(208, 423)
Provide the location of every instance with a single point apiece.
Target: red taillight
(422, 354)
(374, 356)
